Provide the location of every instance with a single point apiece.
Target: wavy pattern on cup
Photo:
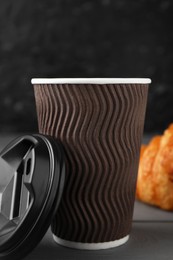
(101, 128)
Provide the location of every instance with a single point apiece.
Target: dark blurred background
(90, 38)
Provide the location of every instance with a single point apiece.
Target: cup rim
(100, 81)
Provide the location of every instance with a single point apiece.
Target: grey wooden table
(151, 238)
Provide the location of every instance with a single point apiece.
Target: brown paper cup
(100, 124)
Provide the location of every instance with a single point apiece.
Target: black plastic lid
(32, 174)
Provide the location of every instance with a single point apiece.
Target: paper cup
(100, 124)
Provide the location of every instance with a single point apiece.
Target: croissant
(155, 173)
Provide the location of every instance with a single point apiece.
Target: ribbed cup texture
(101, 128)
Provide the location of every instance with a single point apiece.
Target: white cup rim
(91, 81)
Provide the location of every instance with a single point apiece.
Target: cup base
(91, 246)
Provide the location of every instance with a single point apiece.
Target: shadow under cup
(100, 124)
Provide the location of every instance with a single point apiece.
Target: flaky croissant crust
(155, 174)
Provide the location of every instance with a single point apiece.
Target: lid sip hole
(28, 166)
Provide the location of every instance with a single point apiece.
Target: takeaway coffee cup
(100, 124)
